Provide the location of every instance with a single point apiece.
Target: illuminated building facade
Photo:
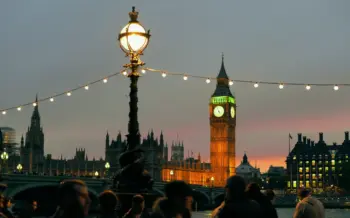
(316, 165)
(222, 116)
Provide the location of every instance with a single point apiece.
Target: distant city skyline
(47, 48)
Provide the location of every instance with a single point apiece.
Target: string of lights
(185, 76)
(66, 93)
(256, 84)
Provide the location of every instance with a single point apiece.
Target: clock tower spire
(222, 111)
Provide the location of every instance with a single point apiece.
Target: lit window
(347, 161)
(301, 176)
(333, 162)
(307, 162)
(320, 169)
(313, 176)
(346, 156)
(307, 169)
(320, 162)
(326, 162)
(300, 169)
(313, 163)
(288, 184)
(294, 157)
(307, 176)
(320, 184)
(340, 174)
(320, 176)
(333, 168)
(339, 161)
(294, 184)
(313, 183)
(326, 169)
(300, 162)
(307, 184)
(313, 169)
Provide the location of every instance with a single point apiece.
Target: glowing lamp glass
(86, 87)
(308, 87)
(230, 83)
(3, 113)
(133, 38)
(52, 100)
(163, 75)
(281, 86)
(69, 94)
(19, 108)
(143, 71)
(34, 104)
(105, 80)
(336, 88)
(207, 80)
(185, 78)
(256, 85)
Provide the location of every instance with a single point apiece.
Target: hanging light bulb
(307, 87)
(4, 113)
(125, 73)
(207, 80)
(336, 88)
(281, 86)
(163, 75)
(143, 71)
(86, 87)
(34, 104)
(51, 99)
(105, 80)
(185, 78)
(230, 82)
(19, 108)
(69, 94)
(256, 85)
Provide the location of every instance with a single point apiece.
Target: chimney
(308, 142)
(346, 136)
(321, 137)
(304, 140)
(299, 137)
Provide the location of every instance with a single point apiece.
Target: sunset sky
(47, 47)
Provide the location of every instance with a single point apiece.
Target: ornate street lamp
(4, 157)
(19, 167)
(107, 166)
(133, 40)
(171, 174)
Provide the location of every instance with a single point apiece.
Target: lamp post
(4, 157)
(171, 175)
(212, 179)
(19, 167)
(133, 40)
(107, 166)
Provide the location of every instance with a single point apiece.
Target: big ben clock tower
(222, 110)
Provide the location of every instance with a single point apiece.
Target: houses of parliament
(222, 119)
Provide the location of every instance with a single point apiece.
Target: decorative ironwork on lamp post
(133, 40)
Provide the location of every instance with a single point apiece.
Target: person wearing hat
(308, 207)
(236, 202)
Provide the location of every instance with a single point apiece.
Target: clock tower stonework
(222, 110)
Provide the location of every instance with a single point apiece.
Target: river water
(288, 213)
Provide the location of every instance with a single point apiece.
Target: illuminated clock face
(219, 111)
(233, 112)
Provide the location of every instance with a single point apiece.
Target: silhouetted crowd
(241, 201)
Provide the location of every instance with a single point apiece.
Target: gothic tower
(222, 111)
(32, 153)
